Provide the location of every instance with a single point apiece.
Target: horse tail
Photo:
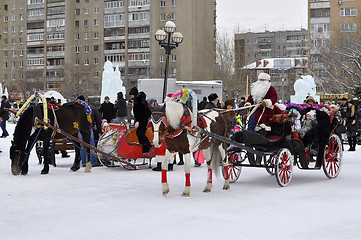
(216, 158)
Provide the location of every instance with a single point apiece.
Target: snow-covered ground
(114, 203)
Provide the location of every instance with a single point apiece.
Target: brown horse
(70, 117)
(179, 138)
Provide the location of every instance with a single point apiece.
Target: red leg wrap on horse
(164, 176)
(188, 179)
(209, 179)
(226, 170)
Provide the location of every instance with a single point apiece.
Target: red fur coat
(271, 97)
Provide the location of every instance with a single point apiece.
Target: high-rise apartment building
(250, 47)
(63, 44)
(332, 24)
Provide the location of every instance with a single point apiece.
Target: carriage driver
(265, 95)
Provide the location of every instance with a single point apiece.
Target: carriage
(280, 151)
(118, 140)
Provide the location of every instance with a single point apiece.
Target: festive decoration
(33, 98)
(87, 109)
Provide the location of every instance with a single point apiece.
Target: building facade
(63, 44)
(250, 47)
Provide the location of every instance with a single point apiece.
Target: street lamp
(168, 39)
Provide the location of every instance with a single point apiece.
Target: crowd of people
(261, 105)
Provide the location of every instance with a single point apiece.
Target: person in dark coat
(107, 110)
(4, 115)
(352, 116)
(203, 104)
(141, 115)
(96, 121)
(213, 101)
(121, 109)
(343, 108)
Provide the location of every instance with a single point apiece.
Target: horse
(167, 125)
(70, 117)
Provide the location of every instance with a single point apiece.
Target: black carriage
(280, 151)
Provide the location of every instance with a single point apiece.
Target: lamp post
(168, 39)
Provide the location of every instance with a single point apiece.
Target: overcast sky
(260, 15)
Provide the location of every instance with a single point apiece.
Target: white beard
(259, 89)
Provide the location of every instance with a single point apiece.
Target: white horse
(179, 138)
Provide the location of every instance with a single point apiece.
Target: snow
(114, 203)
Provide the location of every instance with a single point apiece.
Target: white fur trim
(269, 102)
(247, 104)
(262, 126)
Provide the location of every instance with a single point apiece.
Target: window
(13, 64)
(5, 64)
(347, 12)
(114, 20)
(96, 48)
(96, 75)
(96, 35)
(30, 2)
(36, 12)
(13, 18)
(320, 13)
(5, 18)
(86, 10)
(22, 5)
(96, 22)
(13, 78)
(348, 27)
(76, 49)
(5, 29)
(76, 62)
(77, 36)
(56, 23)
(21, 41)
(21, 64)
(117, 4)
(5, 7)
(162, 58)
(76, 23)
(86, 23)
(173, 16)
(14, 6)
(35, 37)
(162, 16)
(174, 58)
(138, 16)
(173, 71)
(77, 11)
(5, 41)
(21, 17)
(36, 61)
(86, 48)
(21, 28)
(56, 35)
(86, 61)
(13, 41)
(174, 3)
(96, 61)
(162, 3)
(13, 53)
(13, 29)
(86, 36)
(21, 53)
(5, 53)
(96, 10)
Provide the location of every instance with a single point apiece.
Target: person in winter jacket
(213, 101)
(141, 115)
(352, 116)
(107, 110)
(4, 115)
(121, 108)
(202, 105)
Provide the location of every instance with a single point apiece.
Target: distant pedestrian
(203, 104)
(213, 101)
(107, 110)
(352, 116)
(121, 109)
(4, 115)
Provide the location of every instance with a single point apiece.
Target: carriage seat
(250, 138)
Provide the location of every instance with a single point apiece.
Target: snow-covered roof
(200, 82)
(269, 63)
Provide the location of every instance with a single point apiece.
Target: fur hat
(212, 97)
(229, 102)
(133, 91)
(264, 76)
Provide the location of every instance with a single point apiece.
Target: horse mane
(174, 113)
(23, 128)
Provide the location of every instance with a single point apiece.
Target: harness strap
(55, 123)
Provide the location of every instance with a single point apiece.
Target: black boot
(350, 143)
(354, 142)
(158, 167)
(170, 166)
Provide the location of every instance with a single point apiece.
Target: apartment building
(63, 44)
(332, 25)
(250, 47)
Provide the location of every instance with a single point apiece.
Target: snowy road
(114, 203)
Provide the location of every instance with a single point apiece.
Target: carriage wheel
(283, 167)
(233, 171)
(270, 168)
(332, 158)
